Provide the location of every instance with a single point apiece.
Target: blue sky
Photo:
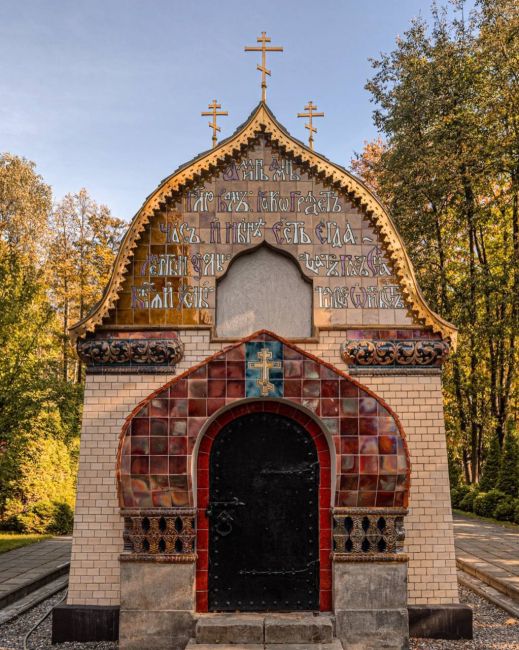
(107, 94)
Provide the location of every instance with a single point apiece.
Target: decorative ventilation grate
(161, 535)
(362, 532)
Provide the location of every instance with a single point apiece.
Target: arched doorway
(263, 516)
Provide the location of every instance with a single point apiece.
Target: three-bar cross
(264, 364)
(310, 107)
(263, 39)
(214, 114)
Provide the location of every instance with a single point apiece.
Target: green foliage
(448, 168)
(455, 471)
(458, 494)
(505, 509)
(516, 514)
(10, 541)
(486, 502)
(467, 502)
(508, 480)
(491, 467)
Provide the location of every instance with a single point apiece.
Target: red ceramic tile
(325, 496)
(197, 408)
(368, 426)
(311, 388)
(178, 389)
(349, 445)
(310, 369)
(159, 445)
(386, 483)
(368, 482)
(177, 446)
(235, 389)
(178, 408)
(289, 353)
(324, 458)
(194, 425)
(349, 482)
(325, 519)
(178, 427)
(348, 389)
(367, 406)
(368, 464)
(385, 499)
(236, 354)
(159, 482)
(202, 601)
(292, 369)
(349, 426)
(388, 464)
(217, 370)
(143, 413)
(330, 388)
(197, 388)
(199, 373)
(292, 388)
(140, 427)
(387, 444)
(330, 407)
(367, 499)
(140, 465)
(159, 407)
(325, 601)
(214, 404)
(313, 405)
(235, 370)
(159, 465)
(201, 580)
(349, 407)
(177, 464)
(387, 426)
(140, 446)
(349, 464)
(201, 518)
(203, 478)
(368, 445)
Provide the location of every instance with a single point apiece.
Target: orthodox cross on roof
(264, 365)
(310, 107)
(214, 114)
(263, 39)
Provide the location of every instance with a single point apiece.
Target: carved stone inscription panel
(262, 198)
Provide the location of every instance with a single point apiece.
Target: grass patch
(490, 520)
(10, 541)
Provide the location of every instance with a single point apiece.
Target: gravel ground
(494, 629)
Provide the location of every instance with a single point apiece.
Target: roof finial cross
(310, 107)
(263, 39)
(214, 114)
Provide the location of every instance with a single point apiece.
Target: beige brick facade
(94, 575)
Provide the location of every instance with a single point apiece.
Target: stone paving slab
(488, 551)
(37, 563)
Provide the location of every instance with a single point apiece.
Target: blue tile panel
(257, 354)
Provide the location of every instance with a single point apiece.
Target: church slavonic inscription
(261, 199)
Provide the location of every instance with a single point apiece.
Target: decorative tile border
(130, 354)
(395, 353)
(361, 532)
(166, 535)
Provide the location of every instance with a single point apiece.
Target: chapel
(263, 433)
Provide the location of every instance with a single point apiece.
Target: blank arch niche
(264, 289)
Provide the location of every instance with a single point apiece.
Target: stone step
(334, 645)
(294, 628)
(270, 629)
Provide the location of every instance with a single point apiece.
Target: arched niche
(264, 289)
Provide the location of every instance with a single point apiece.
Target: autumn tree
(446, 105)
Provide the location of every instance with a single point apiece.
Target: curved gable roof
(263, 121)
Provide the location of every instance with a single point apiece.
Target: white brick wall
(94, 574)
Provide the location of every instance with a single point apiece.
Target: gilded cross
(264, 364)
(214, 114)
(263, 39)
(310, 107)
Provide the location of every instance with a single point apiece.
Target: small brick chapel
(263, 427)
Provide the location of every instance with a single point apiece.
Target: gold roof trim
(262, 120)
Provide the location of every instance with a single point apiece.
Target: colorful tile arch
(155, 460)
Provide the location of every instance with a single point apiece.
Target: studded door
(263, 516)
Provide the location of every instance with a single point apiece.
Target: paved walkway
(488, 551)
(23, 566)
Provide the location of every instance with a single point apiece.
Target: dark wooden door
(263, 516)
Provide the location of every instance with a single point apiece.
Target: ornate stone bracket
(395, 353)
(368, 534)
(159, 535)
(130, 355)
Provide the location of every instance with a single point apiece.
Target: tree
(85, 238)
(508, 480)
(490, 473)
(446, 104)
